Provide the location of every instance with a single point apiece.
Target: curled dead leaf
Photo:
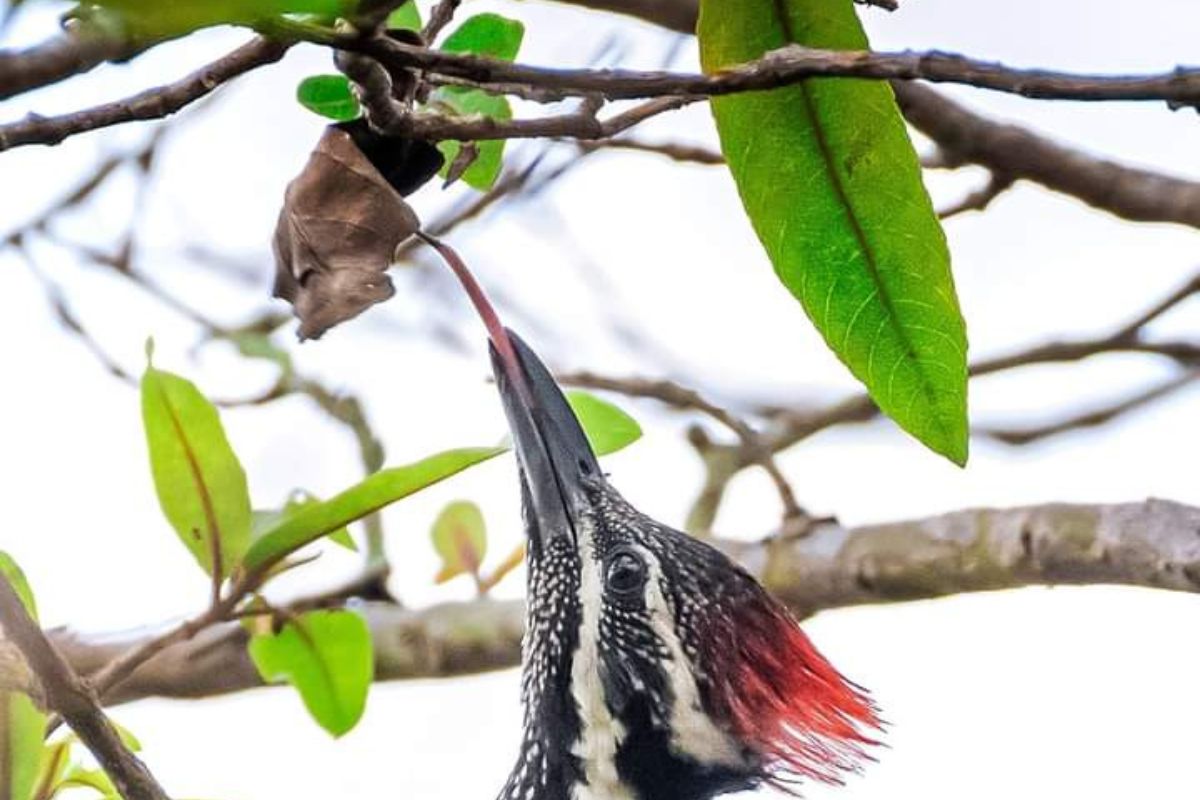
(341, 221)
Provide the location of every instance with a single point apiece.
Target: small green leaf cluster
(492, 35)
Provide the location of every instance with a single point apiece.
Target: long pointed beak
(552, 450)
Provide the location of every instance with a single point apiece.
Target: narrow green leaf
(608, 428)
(328, 95)
(81, 777)
(299, 500)
(485, 169)
(22, 726)
(53, 764)
(373, 493)
(21, 729)
(488, 35)
(200, 482)
(407, 17)
(460, 537)
(327, 656)
(833, 188)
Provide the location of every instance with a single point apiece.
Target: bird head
(654, 666)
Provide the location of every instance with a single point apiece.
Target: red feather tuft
(786, 701)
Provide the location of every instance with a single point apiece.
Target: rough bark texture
(1154, 543)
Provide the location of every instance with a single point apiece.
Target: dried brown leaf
(340, 224)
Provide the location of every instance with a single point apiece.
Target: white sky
(1064, 692)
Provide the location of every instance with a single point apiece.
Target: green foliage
(407, 17)
(460, 538)
(373, 493)
(488, 35)
(157, 19)
(833, 188)
(200, 482)
(329, 96)
(489, 158)
(608, 428)
(22, 725)
(493, 36)
(327, 656)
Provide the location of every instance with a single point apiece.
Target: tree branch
(78, 49)
(150, 104)
(1153, 544)
(74, 700)
(784, 66)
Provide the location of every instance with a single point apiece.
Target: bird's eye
(625, 572)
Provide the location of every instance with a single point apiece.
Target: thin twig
(1095, 417)
(681, 397)
(981, 198)
(439, 18)
(155, 103)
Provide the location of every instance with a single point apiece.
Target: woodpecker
(654, 668)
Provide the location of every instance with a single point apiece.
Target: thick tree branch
(1153, 544)
(74, 700)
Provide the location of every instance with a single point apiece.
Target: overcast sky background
(1067, 692)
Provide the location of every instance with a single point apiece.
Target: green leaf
(460, 538)
(485, 35)
(16, 578)
(200, 482)
(407, 17)
(373, 493)
(485, 169)
(832, 186)
(158, 19)
(488, 35)
(298, 501)
(608, 428)
(22, 727)
(330, 96)
(327, 656)
(53, 765)
(78, 776)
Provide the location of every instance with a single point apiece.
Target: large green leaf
(373, 493)
(833, 188)
(22, 725)
(607, 427)
(327, 656)
(200, 482)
